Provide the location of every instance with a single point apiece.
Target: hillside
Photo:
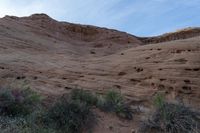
(177, 35)
(56, 57)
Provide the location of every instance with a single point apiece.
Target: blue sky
(138, 17)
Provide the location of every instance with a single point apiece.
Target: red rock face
(181, 34)
(54, 56)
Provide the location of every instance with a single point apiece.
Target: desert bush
(110, 101)
(159, 101)
(21, 125)
(84, 96)
(18, 102)
(69, 116)
(113, 101)
(11, 125)
(172, 118)
(124, 111)
(21, 111)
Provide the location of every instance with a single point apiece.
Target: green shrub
(18, 102)
(113, 101)
(20, 111)
(84, 96)
(21, 125)
(110, 101)
(124, 111)
(172, 118)
(159, 101)
(69, 116)
(11, 125)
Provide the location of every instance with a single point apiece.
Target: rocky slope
(179, 34)
(81, 39)
(55, 57)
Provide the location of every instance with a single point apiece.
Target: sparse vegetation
(172, 118)
(69, 116)
(84, 96)
(113, 101)
(21, 111)
(21, 125)
(159, 101)
(18, 102)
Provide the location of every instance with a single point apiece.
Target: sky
(137, 17)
